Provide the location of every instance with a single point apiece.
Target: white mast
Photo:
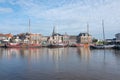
(87, 28)
(103, 30)
(29, 26)
(88, 32)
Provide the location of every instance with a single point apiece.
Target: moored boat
(102, 46)
(22, 45)
(57, 45)
(81, 45)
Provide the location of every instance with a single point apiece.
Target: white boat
(102, 47)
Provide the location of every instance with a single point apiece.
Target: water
(59, 64)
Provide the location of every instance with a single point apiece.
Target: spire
(54, 31)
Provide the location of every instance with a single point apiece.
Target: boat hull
(57, 45)
(22, 45)
(117, 47)
(102, 46)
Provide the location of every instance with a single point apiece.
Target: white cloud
(5, 10)
(72, 17)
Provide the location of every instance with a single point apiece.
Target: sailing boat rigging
(24, 44)
(104, 46)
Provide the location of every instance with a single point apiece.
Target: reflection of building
(30, 54)
(84, 53)
(84, 38)
(57, 55)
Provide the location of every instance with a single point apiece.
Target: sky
(70, 16)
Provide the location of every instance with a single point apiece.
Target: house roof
(8, 35)
(2, 35)
(84, 34)
(55, 34)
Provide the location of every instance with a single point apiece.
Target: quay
(56, 40)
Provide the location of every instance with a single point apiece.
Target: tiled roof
(6, 35)
(84, 34)
(2, 35)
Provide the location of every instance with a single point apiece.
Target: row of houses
(55, 38)
(44, 40)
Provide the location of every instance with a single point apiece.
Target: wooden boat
(79, 45)
(57, 45)
(72, 45)
(22, 45)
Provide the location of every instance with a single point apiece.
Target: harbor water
(59, 64)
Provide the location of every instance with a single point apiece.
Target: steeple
(54, 31)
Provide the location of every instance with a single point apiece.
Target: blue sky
(69, 16)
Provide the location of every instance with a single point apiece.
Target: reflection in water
(117, 55)
(59, 64)
(33, 53)
(23, 53)
(84, 53)
(57, 54)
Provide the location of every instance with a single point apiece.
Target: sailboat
(104, 46)
(23, 45)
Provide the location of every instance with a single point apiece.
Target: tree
(94, 40)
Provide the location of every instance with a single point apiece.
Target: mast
(88, 32)
(103, 30)
(29, 25)
(87, 28)
(53, 30)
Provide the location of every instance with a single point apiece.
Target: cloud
(5, 10)
(72, 15)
